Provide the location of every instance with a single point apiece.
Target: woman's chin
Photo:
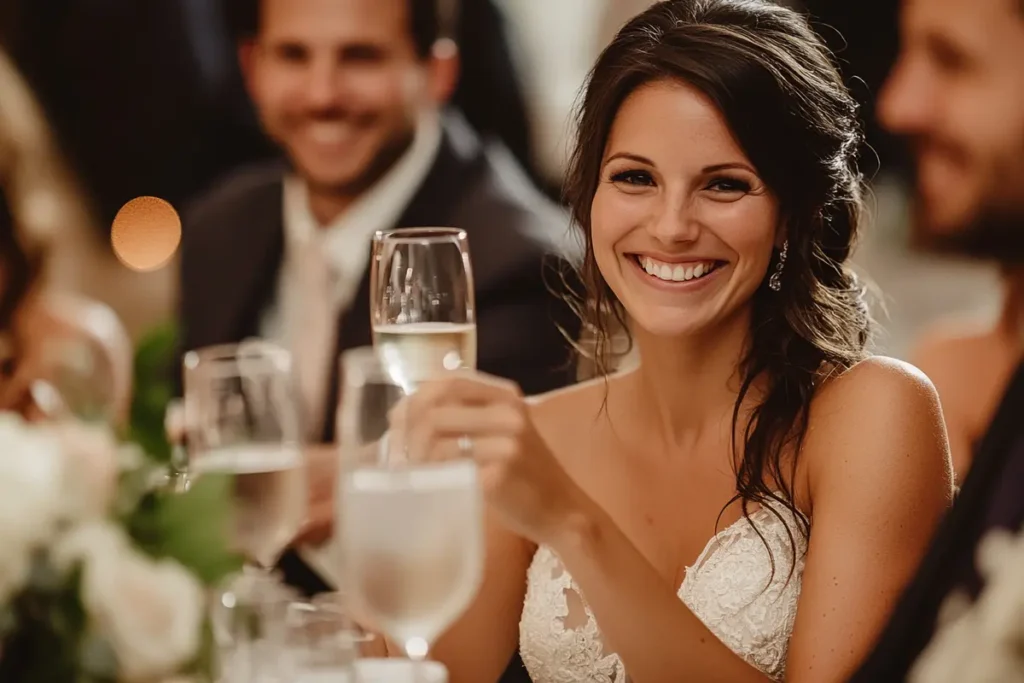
(665, 323)
(663, 329)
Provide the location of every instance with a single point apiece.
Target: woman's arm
(879, 479)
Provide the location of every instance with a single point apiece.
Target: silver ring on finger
(466, 446)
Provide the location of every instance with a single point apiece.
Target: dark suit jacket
(992, 497)
(232, 247)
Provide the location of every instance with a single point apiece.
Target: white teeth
(675, 273)
(328, 133)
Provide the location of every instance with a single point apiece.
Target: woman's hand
(486, 418)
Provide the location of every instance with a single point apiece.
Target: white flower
(149, 611)
(31, 496)
(985, 643)
(91, 469)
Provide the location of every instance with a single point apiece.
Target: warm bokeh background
(146, 100)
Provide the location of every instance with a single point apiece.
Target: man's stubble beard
(996, 231)
(382, 162)
(993, 235)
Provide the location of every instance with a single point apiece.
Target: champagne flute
(242, 421)
(412, 546)
(422, 304)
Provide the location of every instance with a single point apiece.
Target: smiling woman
(661, 517)
(672, 206)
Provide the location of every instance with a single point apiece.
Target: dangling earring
(775, 281)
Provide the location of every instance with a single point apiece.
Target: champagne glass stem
(257, 570)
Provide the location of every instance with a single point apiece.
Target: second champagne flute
(242, 421)
(421, 301)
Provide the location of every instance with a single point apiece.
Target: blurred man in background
(971, 167)
(957, 94)
(354, 93)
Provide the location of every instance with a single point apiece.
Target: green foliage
(153, 389)
(190, 527)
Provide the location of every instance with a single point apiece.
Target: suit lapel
(242, 270)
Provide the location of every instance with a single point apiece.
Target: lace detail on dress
(558, 636)
(731, 588)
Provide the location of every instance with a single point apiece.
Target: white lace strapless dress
(731, 588)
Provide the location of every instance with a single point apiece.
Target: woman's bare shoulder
(881, 417)
(878, 388)
(574, 421)
(566, 408)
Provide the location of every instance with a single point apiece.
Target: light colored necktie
(313, 331)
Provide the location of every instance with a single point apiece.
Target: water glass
(319, 639)
(242, 421)
(249, 620)
(410, 535)
(399, 671)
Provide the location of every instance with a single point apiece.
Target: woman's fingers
(454, 424)
(457, 419)
(463, 389)
(483, 449)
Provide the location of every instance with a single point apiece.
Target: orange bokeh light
(146, 233)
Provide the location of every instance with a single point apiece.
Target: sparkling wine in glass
(412, 547)
(422, 305)
(242, 421)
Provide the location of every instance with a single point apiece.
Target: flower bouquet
(103, 570)
(982, 642)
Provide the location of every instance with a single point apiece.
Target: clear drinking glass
(319, 642)
(399, 671)
(421, 301)
(242, 420)
(411, 535)
(249, 618)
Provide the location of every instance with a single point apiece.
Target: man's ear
(246, 61)
(444, 69)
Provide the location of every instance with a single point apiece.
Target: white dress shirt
(344, 245)
(307, 321)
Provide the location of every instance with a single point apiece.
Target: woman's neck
(686, 385)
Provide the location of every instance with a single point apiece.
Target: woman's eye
(729, 185)
(642, 178)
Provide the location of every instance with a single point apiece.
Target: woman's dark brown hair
(775, 83)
